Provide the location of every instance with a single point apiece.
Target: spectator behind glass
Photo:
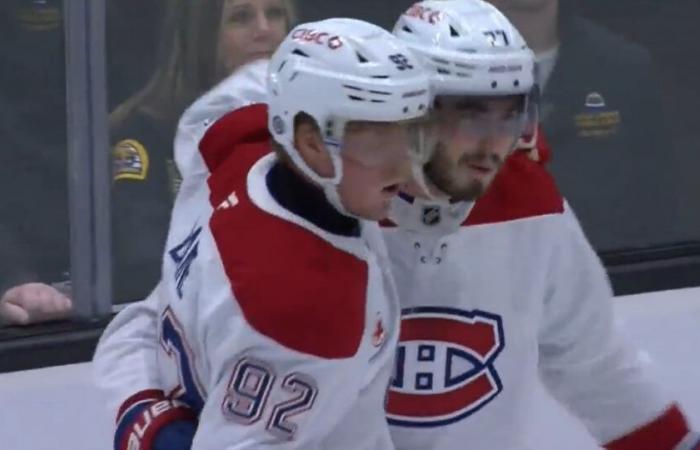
(669, 30)
(601, 110)
(202, 42)
(34, 231)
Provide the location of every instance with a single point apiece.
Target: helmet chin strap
(329, 185)
(330, 189)
(420, 154)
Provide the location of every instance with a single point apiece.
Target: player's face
(250, 30)
(375, 163)
(475, 136)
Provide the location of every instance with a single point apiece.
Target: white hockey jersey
(119, 371)
(253, 333)
(494, 295)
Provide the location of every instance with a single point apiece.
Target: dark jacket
(144, 184)
(612, 154)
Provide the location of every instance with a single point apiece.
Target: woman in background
(202, 42)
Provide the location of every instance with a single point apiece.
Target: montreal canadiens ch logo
(444, 366)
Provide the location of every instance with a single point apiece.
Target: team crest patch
(40, 15)
(444, 366)
(130, 160)
(597, 120)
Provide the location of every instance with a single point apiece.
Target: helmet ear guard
(528, 138)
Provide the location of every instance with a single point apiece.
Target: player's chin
(468, 192)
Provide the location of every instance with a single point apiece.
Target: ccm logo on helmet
(319, 37)
(444, 366)
(425, 14)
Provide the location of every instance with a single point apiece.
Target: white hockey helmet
(469, 47)
(337, 71)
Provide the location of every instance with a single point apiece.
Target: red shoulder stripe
(291, 285)
(522, 189)
(663, 433)
(244, 125)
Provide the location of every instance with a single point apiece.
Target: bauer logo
(444, 366)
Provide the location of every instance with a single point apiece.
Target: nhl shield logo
(431, 215)
(278, 125)
(444, 366)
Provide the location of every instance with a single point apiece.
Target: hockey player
(500, 288)
(256, 340)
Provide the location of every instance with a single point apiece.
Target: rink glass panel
(626, 146)
(34, 204)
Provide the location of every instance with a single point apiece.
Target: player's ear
(310, 145)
